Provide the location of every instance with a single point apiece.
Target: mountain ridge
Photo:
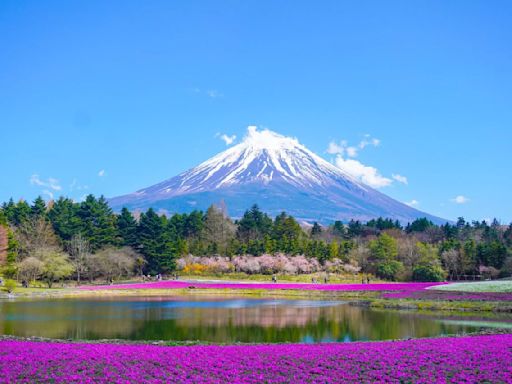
(277, 173)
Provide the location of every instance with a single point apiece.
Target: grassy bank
(424, 300)
(504, 286)
(440, 305)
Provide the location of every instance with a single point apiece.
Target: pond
(224, 320)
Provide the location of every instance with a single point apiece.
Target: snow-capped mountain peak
(263, 156)
(274, 170)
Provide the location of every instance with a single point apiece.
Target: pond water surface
(224, 320)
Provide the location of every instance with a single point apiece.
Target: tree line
(87, 240)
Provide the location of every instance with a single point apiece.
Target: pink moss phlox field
(173, 284)
(477, 359)
(431, 294)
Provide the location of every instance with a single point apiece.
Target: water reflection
(220, 320)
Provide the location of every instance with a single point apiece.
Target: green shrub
(389, 270)
(428, 272)
(10, 285)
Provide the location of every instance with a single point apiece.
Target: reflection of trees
(137, 319)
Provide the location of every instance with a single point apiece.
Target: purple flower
(473, 359)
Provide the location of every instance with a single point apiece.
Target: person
(274, 279)
(325, 280)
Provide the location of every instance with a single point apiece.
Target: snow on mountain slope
(276, 172)
(263, 156)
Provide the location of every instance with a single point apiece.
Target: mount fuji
(277, 173)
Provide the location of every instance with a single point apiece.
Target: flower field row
(477, 359)
(173, 284)
(431, 294)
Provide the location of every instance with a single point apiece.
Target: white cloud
(344, 155)
(412, 203)
(460, 199)
(351, 151)
(101, 173)
(211, 93)
(335, 148)
(400, 178)
(49, 183)
(74, 186)
(368, 140)
(228, 140)
(366, 174)
(342, 148)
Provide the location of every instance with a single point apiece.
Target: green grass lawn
(478, 286)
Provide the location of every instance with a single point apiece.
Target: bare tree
(453, 262)
(30, 268)
(112, 263)
(56, 265)
(359, 255)
(408, 252)
(218, 228)
(35, 234)
(79, 249)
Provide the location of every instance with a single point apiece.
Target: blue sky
(110, 97)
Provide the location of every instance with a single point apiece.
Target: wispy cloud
(366, 174)
(412, 203)
(228, 140)
(50, 183)
(74, 186)
(342, 148)
(368, 140)
(400, 178)
(344, 159)
(460, 199)
(211, 93)
(335, 149)
(101, 173)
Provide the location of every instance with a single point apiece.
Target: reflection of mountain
(221, 320)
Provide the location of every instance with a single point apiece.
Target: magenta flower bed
(300, 286)
(477, 359)
(449, 295)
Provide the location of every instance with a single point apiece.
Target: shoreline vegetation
(87, 241)
(408, 296)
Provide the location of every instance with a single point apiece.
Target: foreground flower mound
(173, 284)
(477, 359)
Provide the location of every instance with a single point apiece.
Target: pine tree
(155, 243)
(38, 208)
(127, 228)
(97, 222)
(254, 225)
(64, 218)
(21, 213)
(9, 210)
(316, 230)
